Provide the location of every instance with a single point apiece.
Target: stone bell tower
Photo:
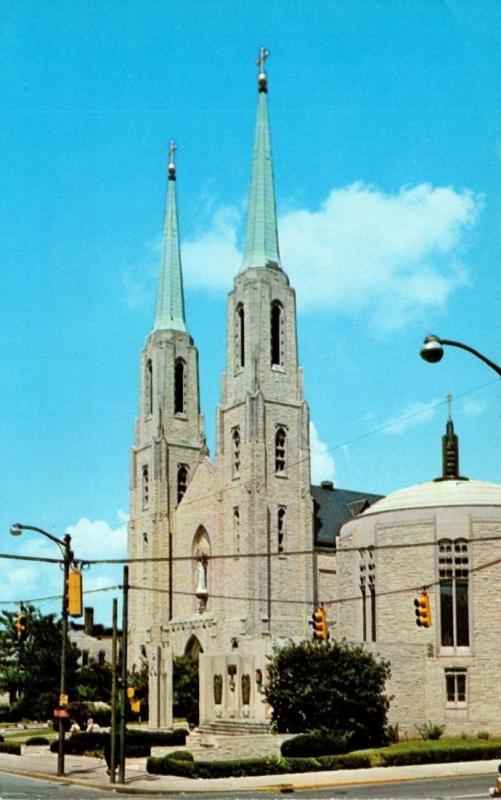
(263, 424)
(169, 439)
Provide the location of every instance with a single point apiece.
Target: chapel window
(453, 571)
(455, 687)
(277, 334)
(182, 481)
(179, 386)
(280, 450)
(367, 583)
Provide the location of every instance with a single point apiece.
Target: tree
(94, 681)
(333, 686)
(30, 669)
(185, 681)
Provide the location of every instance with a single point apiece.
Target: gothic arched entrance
(186, 682)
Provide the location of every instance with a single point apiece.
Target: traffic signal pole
(68, 557)
(123, 682)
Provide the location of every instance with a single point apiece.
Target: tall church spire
(261, 244)
(170, 297)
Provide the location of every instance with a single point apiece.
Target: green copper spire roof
(261, 244)
(170, 298)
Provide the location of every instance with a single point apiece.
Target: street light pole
(432, 351)
(65, 547)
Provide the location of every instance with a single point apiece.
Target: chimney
(88, 620)
(327, 485)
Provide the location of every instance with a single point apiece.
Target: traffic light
(75, 592)
(22, 625)
(135, 704)
(423, 610)
(319, 622)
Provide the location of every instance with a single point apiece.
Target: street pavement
(38, 762)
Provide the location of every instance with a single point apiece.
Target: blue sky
(386, 156)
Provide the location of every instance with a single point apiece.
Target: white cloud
(89, 540)
(390, 255)
(97, 540)
(322, 463)
(411, 415)
(473, 408)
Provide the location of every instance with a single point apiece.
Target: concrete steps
(234, 727)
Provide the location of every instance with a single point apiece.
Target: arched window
(277, 334)
(235, 439)
(240, 336)
(280, 450)
(281, 518)
(148, 388)
(453, 573)
(145, 486)
(179, 386)
(182, 481)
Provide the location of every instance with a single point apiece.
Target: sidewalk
(91, 772)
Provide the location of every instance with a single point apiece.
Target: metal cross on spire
(261, 79)
(172, 166)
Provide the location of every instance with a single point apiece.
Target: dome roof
(439, 493)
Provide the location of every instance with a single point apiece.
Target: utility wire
(279, 601)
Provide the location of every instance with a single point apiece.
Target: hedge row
(311, 745)
(37, 740)
(172, 764)
(145, 740)
(480, 752)
(9, 747)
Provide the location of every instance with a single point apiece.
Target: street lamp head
(432, 350)
(16, 529)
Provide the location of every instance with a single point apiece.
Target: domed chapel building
(442, 537)
(234, 553)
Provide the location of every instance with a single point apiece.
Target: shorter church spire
(450, 450)
(170, 297)
(261, 243)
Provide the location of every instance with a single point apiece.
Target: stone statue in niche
(246, 687)
(218, 689)
(201, 589)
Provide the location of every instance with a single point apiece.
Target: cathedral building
(230, 556)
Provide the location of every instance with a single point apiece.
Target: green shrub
(182, 755)
(307, 745)
(9, 747)
(1, 738)
(483, 735)
(348, 761)
(437, 755)
(37, 740)
(165, 765)
(429, 730)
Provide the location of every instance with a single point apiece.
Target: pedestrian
(90, 725)
(74, 729)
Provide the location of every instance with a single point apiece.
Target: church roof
(170, 298)
(435, 494)
(333, 507)
(261, 243)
